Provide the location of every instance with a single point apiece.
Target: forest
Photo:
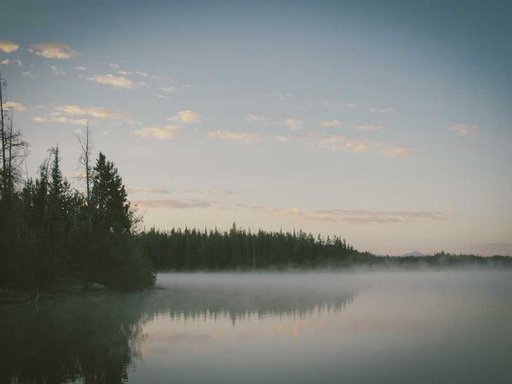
(240, 249)
(52, 234)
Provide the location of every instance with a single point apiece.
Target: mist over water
(361, 327)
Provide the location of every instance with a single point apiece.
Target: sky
(385, 123)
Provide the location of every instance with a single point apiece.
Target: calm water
(387, 327)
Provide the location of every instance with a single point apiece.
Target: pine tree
(112, 210)
(117, 260)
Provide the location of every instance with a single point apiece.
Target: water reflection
(244, 297)
(97, 338)
(91, 338)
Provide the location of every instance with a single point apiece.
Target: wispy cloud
(186, 116)
(333, 105)
(174, 203)
(146, 190)
(28, 74)
(15, 105)
(293, 124)
(168, 89)
(57, 71)
(211, 192)
(335, 142)
(352, 216)
(381, 110)
(298, 213)
(331, 123)
(339, 142)
(59, 119)
(255, 118)
(80, 68)
(53, 51)
(368, 128)
(160, 133)
(465, 129)
(396, 151)
(294, 212)
(279, 95)
(115, 81)
(362, 216)
(96, 112)
(9, 62)
(8, 46)
(243, 137)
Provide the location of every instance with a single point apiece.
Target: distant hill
(414, 253)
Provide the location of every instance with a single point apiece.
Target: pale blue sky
(388, 123)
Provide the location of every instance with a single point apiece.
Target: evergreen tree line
(240, 249)
(192, 249)
(51, 232)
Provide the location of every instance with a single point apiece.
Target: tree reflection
(95, 338)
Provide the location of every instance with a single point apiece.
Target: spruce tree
(109, 199)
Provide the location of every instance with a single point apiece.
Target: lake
(361, 327)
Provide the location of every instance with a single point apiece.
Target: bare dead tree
(14, 149)
(13, 152)
(85, 161)
(86, 165)
(3, 136)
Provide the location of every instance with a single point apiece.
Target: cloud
(353, 216)
(28, 74)
(331, 123)
(59, 119)
(15, 105)
(7, 62)
(160, 133)
(381, 110)
(8, 46)
(80, 68)
(294, 124)
(296, 212)
(211, 192)
(465, 129)
(57, 71)
(290, 212)
(243, 137)
(351, 105)
(186, 116)
(368, 128)
(255, 118)
(279, 95)
(97, 112)
(168, 89)
(144, 190)
(356, 147)
(396, 151)
(174, 203)
(53, 51)
(283, 139)
(115, 81)
(336, 142)
(113, 65)
(362, 216)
